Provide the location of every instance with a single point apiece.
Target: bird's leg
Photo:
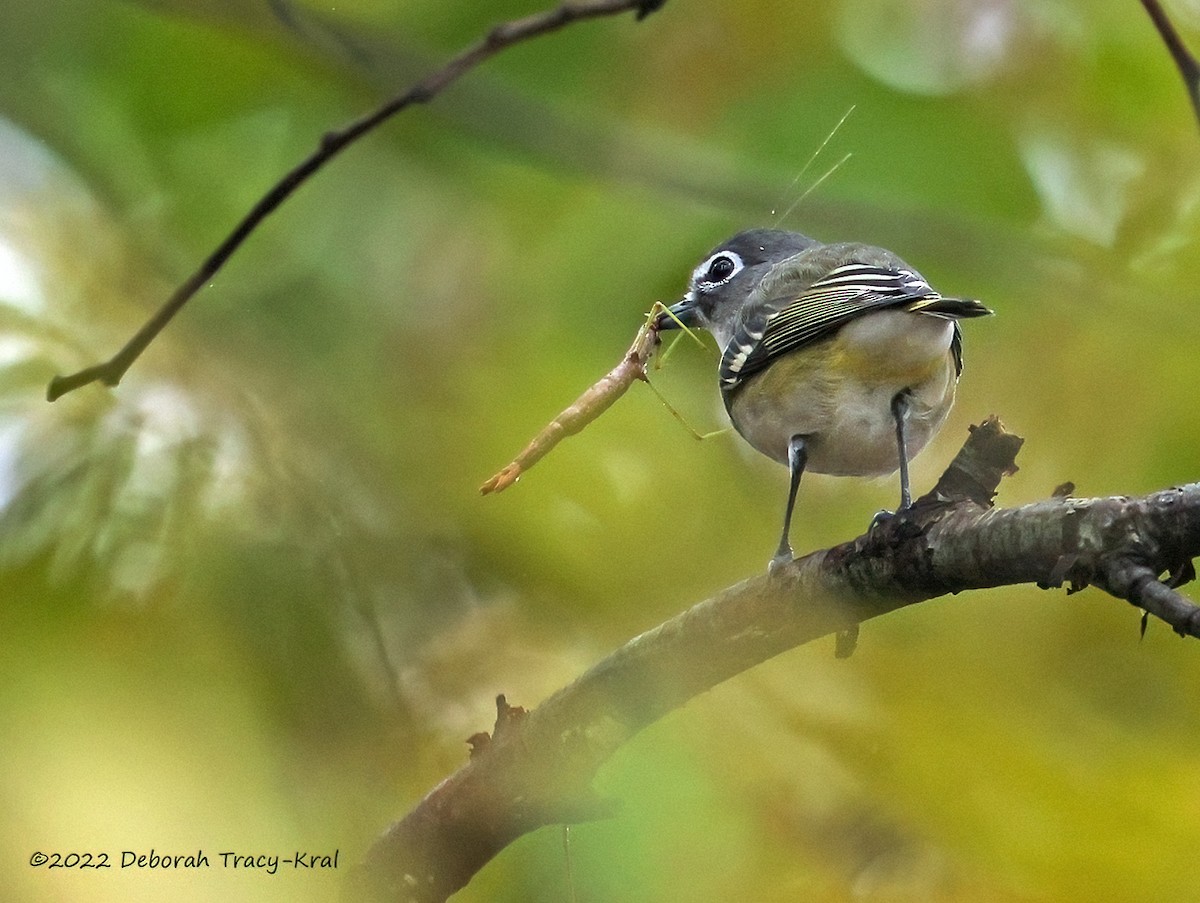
(900, 408)
(797, 458)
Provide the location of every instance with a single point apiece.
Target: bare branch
(1129, 579)
(1185, 62)
(537, 769)
(499, 38)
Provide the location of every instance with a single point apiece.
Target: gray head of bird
(725, 278)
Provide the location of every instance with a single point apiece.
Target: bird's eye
(721, 268)
(716, 271)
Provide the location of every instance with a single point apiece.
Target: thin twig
(1185, 62)
(1139, 584)
(499, 38)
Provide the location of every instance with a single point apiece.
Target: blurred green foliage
(252, 600)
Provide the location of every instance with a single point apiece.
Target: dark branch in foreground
(538, 766)
(1185, 62)
(501, 37)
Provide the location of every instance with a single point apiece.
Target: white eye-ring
(717, 270)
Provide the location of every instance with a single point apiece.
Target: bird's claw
(781, 560)
(881, 517)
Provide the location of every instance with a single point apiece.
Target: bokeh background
(252, 601)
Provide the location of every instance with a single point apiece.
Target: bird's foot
(781, 560)
(881, 517)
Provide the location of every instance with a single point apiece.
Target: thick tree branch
(537, 768)
(501, 37)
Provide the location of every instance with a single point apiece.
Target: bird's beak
(680, 313)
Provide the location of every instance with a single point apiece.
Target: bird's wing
(773, 328)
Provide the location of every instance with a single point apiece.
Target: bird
(835, 358)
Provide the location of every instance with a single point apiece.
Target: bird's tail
(950, 308)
